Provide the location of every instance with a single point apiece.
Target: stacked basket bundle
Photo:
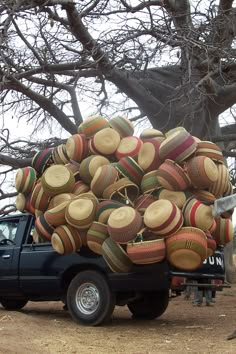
(133, 200)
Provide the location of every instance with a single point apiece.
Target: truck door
(9, 254)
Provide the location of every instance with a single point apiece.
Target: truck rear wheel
(13, 304)
(89, 298)
(150, 305)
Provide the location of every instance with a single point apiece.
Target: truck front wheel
(89, 298)
(13, 304)
(150, 305)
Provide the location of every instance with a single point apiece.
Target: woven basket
(105, 142)
(59, 155)
(224, 231)
(58, 179)
(198, 214)
(42, 160)
(96, 235)
(104, 177)
(23, 203)
(115, 257)
(172, 176)
(150, 182)
(211, 150)
(187, 249)
(129, 168)
(122, 125)
(151, 133)
(92, 125)
(89, 166)
(77, 147)
(43, 228)
(148, 157)
(146, 252)
(202, 171)
(66, 239)
(25, 179)
(219, 187)
(122, 189)
(74, 167)
(123, 224)
(177, 146)
(80, 212)
(60, 198)
(80, 187)
(211, 244)
(129, 146)
(203, 195)
(163, 218)
(105, 208)
(56, 216)
(178, 198)
(39, 198)
(142, 202)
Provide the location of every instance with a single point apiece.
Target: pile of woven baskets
(133, 200)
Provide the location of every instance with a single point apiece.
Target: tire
(89, 298)
(13, 304)
(150, 306)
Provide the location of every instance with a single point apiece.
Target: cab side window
(8, 232)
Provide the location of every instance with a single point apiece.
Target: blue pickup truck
(32, 271)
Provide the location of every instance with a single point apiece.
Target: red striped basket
(178, 198)
(123, 224)
(80, 187)
(60, 198)
(219, 187)
(89, 166)
(43, 228)
(146, 252)
(177, 146)
(209, 149)
(123, 189)
(77, 147)
(122, 125)
(148, 157)
(96, 235)
(202, 171)
(39, 198)
(129, 146)
(163, 218)
(151, 133)
(143, 201)
(187, 249)
(59, 155)
(203, 195)
(92, 125)
(115, 256)
(211, 244)
(23, 204)
(25, 179)
(66, 239)
(104, 177)
(224, 231)
(129, 168)
(58, 179)
(172, 176)
(80, 212)
(198, 214)
(42, 160)
(105, 208)
(56, 216)
(105, 142)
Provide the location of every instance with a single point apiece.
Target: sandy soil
(46, 328)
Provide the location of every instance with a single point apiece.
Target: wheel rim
(87, 298)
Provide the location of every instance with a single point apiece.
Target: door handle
(6, 256)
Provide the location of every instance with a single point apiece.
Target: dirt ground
(46, 328)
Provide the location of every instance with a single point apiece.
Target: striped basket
(25, 179)
(163, 218)
(115, 256)
(59, 155)
(219, 187)
(146, 252)
(203, 195)
(202, 171)
(148, 157)
(23, 203)
(143, 201)
(178, 198)
(104, 177)
(39, 198)
(123, 224)
(58, 179)
(211, 244)
(105, 142)
(177, 146)
(66, 239)
(151, 133)
(211, 150)
(80, 212)
(77, 147)
(43, 228)
(122, 125)
(129, 146)
(224, 231)
(105, 208)
(122, 189)
(56, 216)
(198, 214)
(150, 182)
(42, 160)
(172, 176)
(96, 235)
(74, 167)
(129, 168)
(89, 166)
(80, 187)
(92, 125)
(187, 249)
(60, 198)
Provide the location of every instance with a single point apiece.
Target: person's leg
(208, 296)
(198, 297)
